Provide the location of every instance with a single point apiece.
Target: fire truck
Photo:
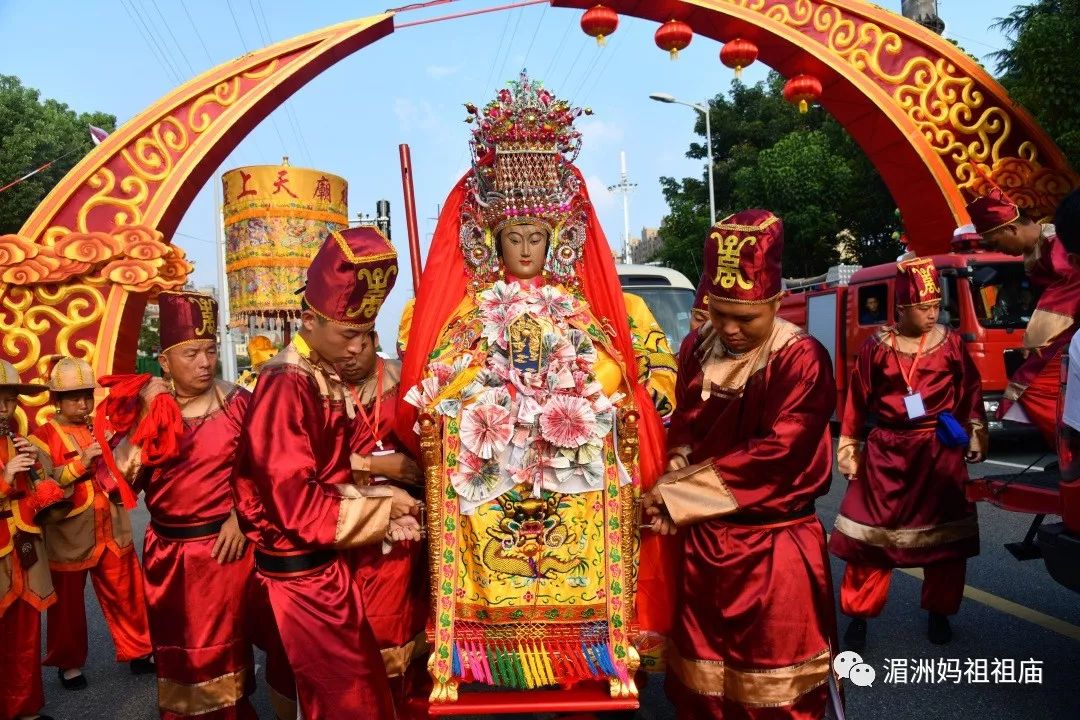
(988, 301)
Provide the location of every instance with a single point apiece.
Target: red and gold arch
(76, 278)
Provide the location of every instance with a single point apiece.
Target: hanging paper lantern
(802, 90)
(599, 21)
(737, 54)
(673, 36)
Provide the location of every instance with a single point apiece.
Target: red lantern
(599, 21)
(673, 36)
(738, 54)
(802, 90)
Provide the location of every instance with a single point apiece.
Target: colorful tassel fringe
(531, 665)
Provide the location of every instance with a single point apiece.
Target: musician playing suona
(25, 585)
(394, 584)
(94, 539)
(749, 451)
(204, 606)
(300, 500)
(917, 389)
(1034, 386)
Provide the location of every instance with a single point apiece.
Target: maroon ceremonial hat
(351, 275)
(991, 211)
(743, 258)
(917, 283)
(186, 317)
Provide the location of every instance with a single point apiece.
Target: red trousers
(20, 661)
(118, 584)
(333, 654)
(865, 588)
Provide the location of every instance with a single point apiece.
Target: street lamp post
(704, 110)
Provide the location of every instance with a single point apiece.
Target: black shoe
(855, 635)
(143, 666)
(76, 683)
(938, 629)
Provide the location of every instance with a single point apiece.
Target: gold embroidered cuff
(697, 493)
(363, 515)
(848, 456)
(915, 537)
(1044, 326)
(678, 458)
(361, 468)
(200, 698)
(980, 438)
(769, 687)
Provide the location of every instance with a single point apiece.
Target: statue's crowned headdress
(523, 148)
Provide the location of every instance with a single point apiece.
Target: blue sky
(408, 87)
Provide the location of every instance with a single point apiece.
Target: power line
(502, 39)
(536, 31)
(570, 72)
(176, 42)
(195, 27)
(290, 112)
(510, 45)
(144, 16)
(243, 44)
(555, 55)
(149, 43)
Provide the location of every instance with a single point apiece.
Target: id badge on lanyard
(913, 401)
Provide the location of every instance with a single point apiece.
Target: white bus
(667, 292)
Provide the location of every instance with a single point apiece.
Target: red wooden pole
(410, 213)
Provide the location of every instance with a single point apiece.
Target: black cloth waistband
(759, 519)
(189, 532)
(290, 565)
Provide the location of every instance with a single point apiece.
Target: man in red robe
(94, 539)
(394, 584)
(749, 452)
(1034, 385)
(25, 585)
(905, 503)
(204, 606)
(295, 488)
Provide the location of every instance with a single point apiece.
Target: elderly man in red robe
(749, 452)
(304, 497)
(203, 604)
(1034, 385)
(917, 389)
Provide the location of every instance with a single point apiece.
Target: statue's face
(523, 248)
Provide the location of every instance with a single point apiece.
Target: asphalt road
(1013, 611)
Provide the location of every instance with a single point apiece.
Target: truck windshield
(1002, 295)
(671, 308)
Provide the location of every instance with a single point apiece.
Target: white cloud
(440, 71)
(598, 133)
(602, 198)
(412, 115)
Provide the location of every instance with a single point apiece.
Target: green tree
(34, 132)
(804, 167)
(1040, 66)
(149, 336)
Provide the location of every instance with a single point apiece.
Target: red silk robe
(94, 539)
(395, 584)
(756, 594)
(297, 503)
(198, 608)
(25, 590)
(906, 506)
(1034, 385)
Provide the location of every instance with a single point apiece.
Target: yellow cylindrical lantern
(276, 217)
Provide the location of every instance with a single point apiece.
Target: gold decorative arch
(76, 278)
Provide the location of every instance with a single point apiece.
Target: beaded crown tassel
(523, 147)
